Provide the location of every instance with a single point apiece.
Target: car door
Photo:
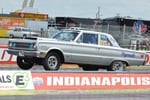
(85, 50)
(107, 49)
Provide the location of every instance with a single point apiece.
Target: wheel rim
(24, 61)
(118, 66)
(52, 62)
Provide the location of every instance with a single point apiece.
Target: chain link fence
(125, 35)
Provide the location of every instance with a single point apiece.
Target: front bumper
(24, 53)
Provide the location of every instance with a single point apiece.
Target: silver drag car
(89, 49)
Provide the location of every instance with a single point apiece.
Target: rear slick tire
(90, 68)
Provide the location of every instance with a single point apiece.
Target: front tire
(52, 61)
(24, 63)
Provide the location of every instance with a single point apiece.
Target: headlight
(32, 46)
(35, 46)
(12, 44)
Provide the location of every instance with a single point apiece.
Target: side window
(89, 38)
(104, 40)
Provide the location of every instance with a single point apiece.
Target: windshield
(65, 36)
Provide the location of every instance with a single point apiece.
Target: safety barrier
(75, 81)
(21, 80)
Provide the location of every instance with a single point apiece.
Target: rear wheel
(90, 68)
(24, 63)
(52, 61)
(117, 66)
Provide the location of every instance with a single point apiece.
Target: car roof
(94, 32)
(86, 31)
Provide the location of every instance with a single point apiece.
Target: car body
(89, 49)
(21, 32)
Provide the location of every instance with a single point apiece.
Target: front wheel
(24, 63)
(117, 66)
(52, 61)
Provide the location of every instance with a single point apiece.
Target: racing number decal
(147, 58)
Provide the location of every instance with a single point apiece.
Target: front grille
(22, 46)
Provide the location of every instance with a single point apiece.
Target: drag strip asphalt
(75, 68)
(79, 96)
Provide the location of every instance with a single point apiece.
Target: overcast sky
(84, 8)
